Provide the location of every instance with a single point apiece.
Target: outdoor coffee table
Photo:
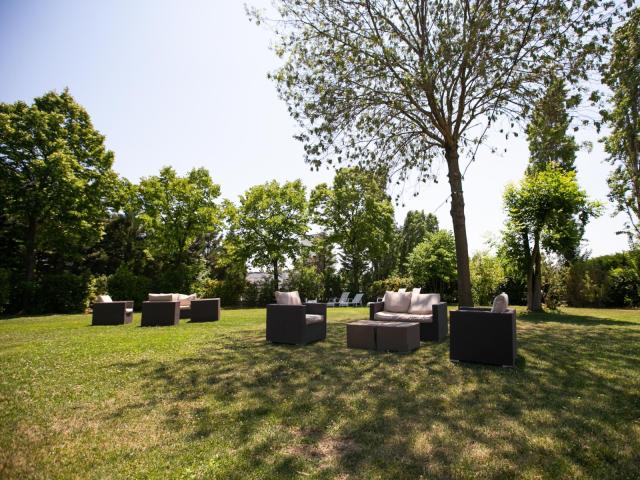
(383, 336)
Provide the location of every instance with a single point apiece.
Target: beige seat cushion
(422, 303)
(128, 310)
(163, 297)
(500, 303)
(103, 299)
(402, 317)
(312, 318)
(288, 298)
(397, 302)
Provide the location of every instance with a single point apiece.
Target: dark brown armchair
(296, 324)
(112, 313)
(160, 314)
(479, 336)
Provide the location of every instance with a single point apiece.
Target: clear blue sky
(183, 83)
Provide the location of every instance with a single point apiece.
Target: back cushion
(288, 298)
(163, 297)
(422, 303)
(397, 302)
(103, 299)
(500, 303)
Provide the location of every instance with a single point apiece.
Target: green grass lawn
(216, 401)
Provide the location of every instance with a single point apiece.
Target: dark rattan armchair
(112, 313)
(296, 324)
(479, 336)
(160, 314)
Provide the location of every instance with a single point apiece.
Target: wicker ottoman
(362, 334)
(398, 336)
(205, 310)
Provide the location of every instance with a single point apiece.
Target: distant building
(260, 277)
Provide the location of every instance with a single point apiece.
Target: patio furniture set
(400, 322)
(161, 309)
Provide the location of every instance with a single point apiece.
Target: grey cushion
(500, 303)
(397, 302)
(103, 299)
(422, 303)
(129, 310)
(402, 317)
(185, 300)
(288, 298)
(311, 318)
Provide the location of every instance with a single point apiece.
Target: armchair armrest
(441, 320)
(317, 309)
(375, 307)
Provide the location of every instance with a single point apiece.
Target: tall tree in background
(417, 225)
(178, 214)
(549, 211)
(622, 76)
(357, 215)
(547, 135)
(432, 264)
(398, 84)
(270, 223)
(56, 181)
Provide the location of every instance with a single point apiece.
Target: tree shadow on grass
(563, 317)
(327, 410)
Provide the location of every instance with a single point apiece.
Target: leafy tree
(487, 276)
(432, 264)
(398, 84)
(547, 135)
(56, 181)
(178, 214)
(622, 76)
(417, 225)
(549, 211)
(270, 223)
(306, 280)
(357, 215)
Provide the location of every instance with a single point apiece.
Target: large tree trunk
(29, 262)
(459, 227)
(275, 275)
(534, 286)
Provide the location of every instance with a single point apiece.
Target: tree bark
(534, 294)
(275, 275)
(29, 262)
(459, 227)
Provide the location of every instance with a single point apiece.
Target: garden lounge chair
(425, 309)
(356, 301)
(108, 312)
(162, 309)
(484, 335)
(291, 321)
(344, 298)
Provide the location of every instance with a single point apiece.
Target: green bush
(432, 265)
(307, 281)
(62, 293)
(486, 277)
(5, 288)
(258, 294)
(379, 287)
(126, 285)
(227, 291)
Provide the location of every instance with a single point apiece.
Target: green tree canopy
(417, 225)
(56, 181)
(398, 84)
(357, 215)
(178, 214)
(486, 277)
(270, 223)
(547, 210)
(432, 264)
(547, 135)
(622, 76)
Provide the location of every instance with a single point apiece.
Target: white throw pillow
(500, 303)
(288, 298)
(163, 297)
(397, 302)
(422, 303)
(185, 300)
(103, 299)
